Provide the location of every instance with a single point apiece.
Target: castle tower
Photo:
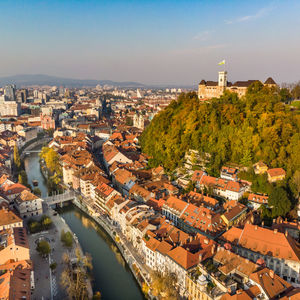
(222, 79)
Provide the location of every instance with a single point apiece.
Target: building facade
(215, 89)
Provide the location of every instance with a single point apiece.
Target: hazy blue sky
(151, 41)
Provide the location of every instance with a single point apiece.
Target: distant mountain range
(40, 79)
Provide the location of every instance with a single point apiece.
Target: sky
(152, 42)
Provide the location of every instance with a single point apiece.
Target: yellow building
(197, 288)
(212, 89)
(276, 174)
(234, 215)
(260, 167)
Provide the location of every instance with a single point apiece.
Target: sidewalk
(47, 284)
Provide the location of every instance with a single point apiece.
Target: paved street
(47, 285)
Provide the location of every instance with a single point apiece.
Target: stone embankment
(128, 252)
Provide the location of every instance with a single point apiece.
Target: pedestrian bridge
(32, 151)
(60, 198)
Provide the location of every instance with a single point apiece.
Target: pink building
(47, 122)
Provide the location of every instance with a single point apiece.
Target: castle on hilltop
(211, 89)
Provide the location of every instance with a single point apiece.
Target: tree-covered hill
(259, 126)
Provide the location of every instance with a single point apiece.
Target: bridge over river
(32, 151)
(60, 198)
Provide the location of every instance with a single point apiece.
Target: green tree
(53, 266)
(37, 191)
(279, 202)
(46, 222)
(22, 178)
(66, 238)
(296, 184)
(43, 248)
(34, 226)
(285, 95)
(17, 159)
(51, 159)
(129, 121)
(247, 158)
(255, 127)
(296, 91)
(190, 187)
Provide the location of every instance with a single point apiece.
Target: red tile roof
(264, 241)
(184, 258)
(276, 172)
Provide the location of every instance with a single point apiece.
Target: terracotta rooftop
(15, 284)
(258, 198)
(8, 217)
(13, 189)
(272, 284)
(184, 258)
(197, 175)
(176, 204)
(232, 262)
(26, 196)
(242, 295)
(234, 211)
(198, 197)
(264, 241)
(276, 172)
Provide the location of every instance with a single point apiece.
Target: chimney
(286, 233)
(275, 230)
(272, 274)
(263, 223)
(206, 241)
(200, 257)
(255, 227)
(213, 249)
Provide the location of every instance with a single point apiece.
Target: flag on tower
(221, 62)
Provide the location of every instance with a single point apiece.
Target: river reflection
(112, 276)
(89, 223)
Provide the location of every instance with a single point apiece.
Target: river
(111, 275)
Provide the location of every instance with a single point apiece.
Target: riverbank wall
(32, 144)
(61, 224)
(121, 243)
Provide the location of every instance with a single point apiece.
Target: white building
(28, 204)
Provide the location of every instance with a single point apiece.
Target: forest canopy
(257, 126)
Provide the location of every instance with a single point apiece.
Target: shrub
(46, 222)
(34, 226)
(53, 266)
(43, 248)
(66, 238)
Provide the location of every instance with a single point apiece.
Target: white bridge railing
(59, 198)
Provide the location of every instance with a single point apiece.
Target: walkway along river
(112, 277)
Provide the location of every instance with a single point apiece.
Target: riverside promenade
(127, 250)
(47, 282)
